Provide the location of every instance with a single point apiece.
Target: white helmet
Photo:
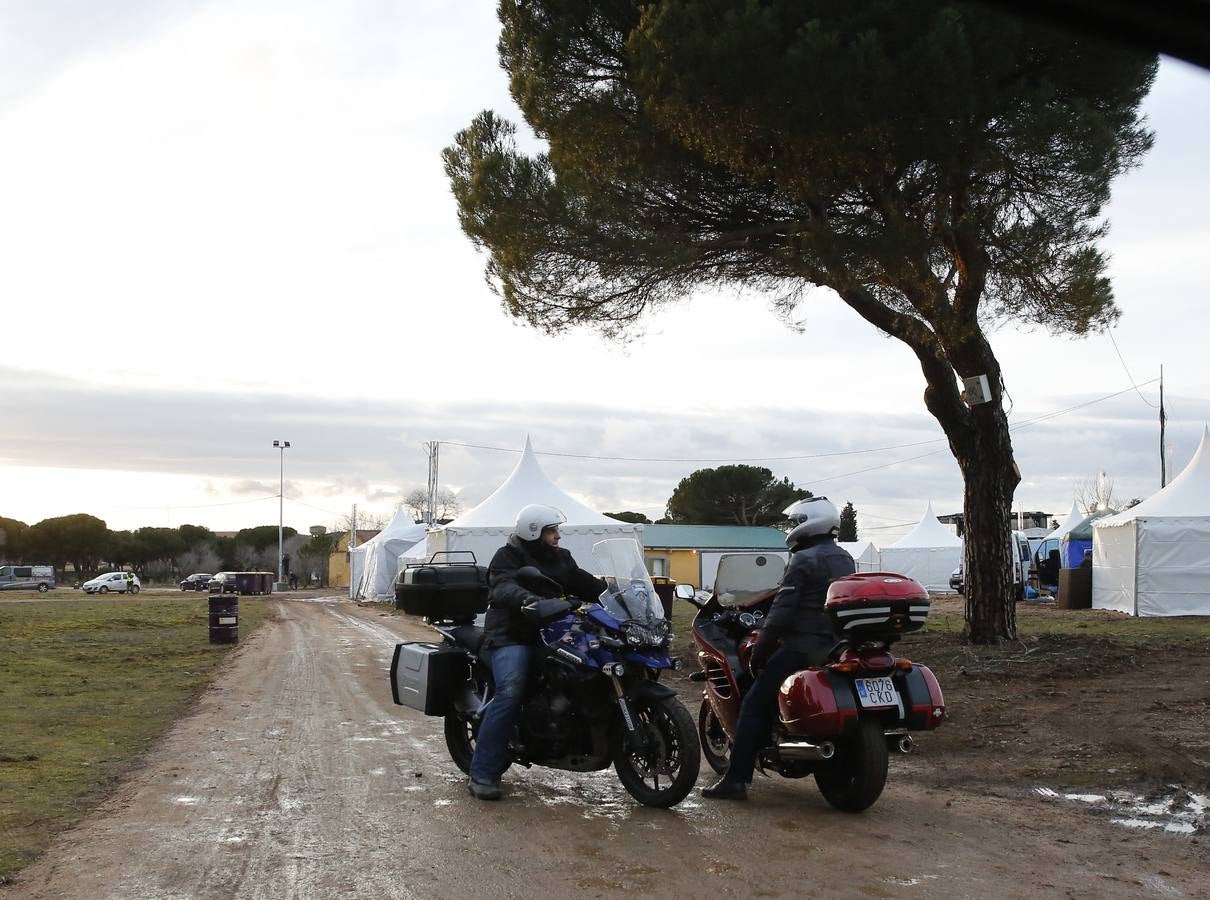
(533, 518)
(811, 517)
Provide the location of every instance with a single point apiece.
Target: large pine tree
(939, 165)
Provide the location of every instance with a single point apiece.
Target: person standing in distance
(799, 623)
(510, 638)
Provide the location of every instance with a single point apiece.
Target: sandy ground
(296, 776)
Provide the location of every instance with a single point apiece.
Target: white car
(117, 582)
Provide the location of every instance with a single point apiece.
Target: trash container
(224, 618)
(665, 589)
(1075, 589)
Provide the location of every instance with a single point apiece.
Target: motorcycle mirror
(683, 592)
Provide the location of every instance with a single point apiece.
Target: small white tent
(1074, 518)
(928, 553)
(864, 554)
(373, 565)
(1154, 559)
(485, 529)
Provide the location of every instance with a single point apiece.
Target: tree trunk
(990, 479)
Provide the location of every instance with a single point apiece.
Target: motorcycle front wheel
(460, 735)
(716, 746)
(664, 772)
(854, 778)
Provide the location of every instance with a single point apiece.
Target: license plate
(876, 692)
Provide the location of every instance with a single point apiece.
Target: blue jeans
(759, 709)
(510, 671)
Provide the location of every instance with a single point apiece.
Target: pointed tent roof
(1186, 495)
(528, 484)
(929, 533)
(401, 529)
(1074, 518)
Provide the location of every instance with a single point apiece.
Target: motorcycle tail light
(848, 667)
(904, 665)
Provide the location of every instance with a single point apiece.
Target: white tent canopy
(864, 554)
(485, 529)
(1154, 559)
(1074, 518)
(374, 565)
(928, 553)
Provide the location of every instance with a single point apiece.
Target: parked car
(197, 582)
(957, 580)
(116, 582)
(27, 578)
(222, 583)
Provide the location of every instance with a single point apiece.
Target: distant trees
(632, 517)
(732, 495)
(848, 523)
(11, 533)
(79, 539)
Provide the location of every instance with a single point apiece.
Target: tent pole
(1163, 420)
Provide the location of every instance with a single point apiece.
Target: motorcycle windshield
(629, 595)
(745, 576)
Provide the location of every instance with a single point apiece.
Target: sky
(226, 223)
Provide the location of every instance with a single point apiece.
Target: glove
(765, 647)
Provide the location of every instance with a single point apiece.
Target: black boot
(725, 789)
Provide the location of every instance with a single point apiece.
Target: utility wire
(1109, 331)
(732, 459)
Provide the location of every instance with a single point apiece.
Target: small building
(689, 554)
(338, 562)
(1017, 521)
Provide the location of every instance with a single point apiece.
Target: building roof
(712, 537)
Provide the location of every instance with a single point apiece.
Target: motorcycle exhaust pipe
(906, 744)
(804, 750)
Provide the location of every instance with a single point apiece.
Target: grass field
(86, 686)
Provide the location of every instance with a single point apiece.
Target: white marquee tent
(373, 565)
(1074, 518)
(485, 529)
(864, 554)
(927, 553)
(1154, 559)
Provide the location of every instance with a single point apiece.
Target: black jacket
(504, 623)
(797, 617)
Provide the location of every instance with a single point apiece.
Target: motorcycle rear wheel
(674, 754)
(460, 740)
(716, 746)
(855, 777)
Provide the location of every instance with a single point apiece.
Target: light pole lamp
(281, 490)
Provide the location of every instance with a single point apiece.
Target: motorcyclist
(510, 637)
(798, 622)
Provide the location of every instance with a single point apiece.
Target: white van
(27, 578)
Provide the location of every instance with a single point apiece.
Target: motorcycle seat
(468, 636)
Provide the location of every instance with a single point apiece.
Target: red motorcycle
(838, 721)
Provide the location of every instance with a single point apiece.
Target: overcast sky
(225, 223)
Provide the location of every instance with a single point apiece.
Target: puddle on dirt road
(1172, 809)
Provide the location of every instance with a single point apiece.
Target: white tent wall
(1154, 558)
(374, 565)
(931, 566)
(1113, 567)
(484, 542)
(1153, 567)
(865, 555)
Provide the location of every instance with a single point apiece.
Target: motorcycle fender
(817, 705)
(649, 690)
(923, 702)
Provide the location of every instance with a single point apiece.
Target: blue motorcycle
(595, 698)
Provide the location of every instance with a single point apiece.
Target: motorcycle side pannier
(427, 677)
(448, 591)
(876, 606)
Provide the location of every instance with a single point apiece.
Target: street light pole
(281, 490)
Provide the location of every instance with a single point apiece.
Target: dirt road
(296, 776)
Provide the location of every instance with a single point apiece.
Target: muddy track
(296, 776)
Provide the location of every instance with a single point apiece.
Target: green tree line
(87, 545)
